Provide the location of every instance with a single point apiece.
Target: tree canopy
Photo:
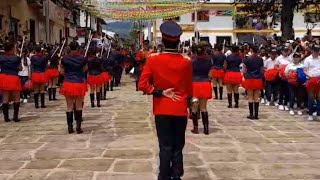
(263, 8)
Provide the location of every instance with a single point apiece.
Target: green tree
(288, 7)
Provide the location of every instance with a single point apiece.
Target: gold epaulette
(153, 54)
(186, 57)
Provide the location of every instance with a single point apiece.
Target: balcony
(35, 3)
(247, 23)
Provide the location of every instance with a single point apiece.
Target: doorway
(221, 39)
(32, 30)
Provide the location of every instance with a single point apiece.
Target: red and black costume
(10, 81)
(169, 70)
(218, 72)
(74, 84)
(233, 76)
(253, 80)
(53, 72)
(95, 77)
(39, 63)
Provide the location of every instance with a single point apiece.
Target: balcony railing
(36, 3)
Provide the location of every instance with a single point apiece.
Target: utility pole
(195, 26)
(47, 9)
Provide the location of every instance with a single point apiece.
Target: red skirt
(252, 84)
(217, 73)
(95, 80)
(73, 89)
(52, 73)
(271, 74)
(105, 77)
(39, 78)
(10, 83)
(233, 78)
(202, 90)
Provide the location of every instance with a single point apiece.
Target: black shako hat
(171, 31)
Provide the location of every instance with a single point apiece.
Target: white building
(220, 20)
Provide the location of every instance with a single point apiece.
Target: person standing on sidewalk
(172, 85)
(217, 71)
(74, 86)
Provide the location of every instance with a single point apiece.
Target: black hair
(8, 46)
(74, 45)
(254, 49)
(37, 48)
(218, 47)
(170, 44)
(235, 49)
(201, 49)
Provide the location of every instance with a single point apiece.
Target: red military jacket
(141, 56)
(168, 70)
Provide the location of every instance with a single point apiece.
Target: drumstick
(54, 52)
(22, 46)
(64, 41)
(85, 54)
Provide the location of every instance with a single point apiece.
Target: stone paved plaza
(119, 143)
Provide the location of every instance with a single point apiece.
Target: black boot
(250, 111)
(92, 100)
(43, 100)
(230, 100)
(215, 90)
(16, 107)
(195, 123)
(205, 121)
(111, 85)
(50, 94)
(236, 100)
(5, 110)
(98, 99)
(70, 122)
(54, 94)
(108, 86)
(36, 100)
(221, 92)
(256, 110)
(78, 118)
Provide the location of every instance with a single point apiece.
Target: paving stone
(87, 164)
(65, 145)
(267, 158)
(20, 146)
(42, 164)
(129, 154)
(146, 176)
(4, 177)
(290, 171)
(142, 142)
(31, 174)
(192, 160)
(68, 154)
(220, 157)
(21, 139)
(10, 167)
(193, 173)
(234, 170)
(132, 166)
(20, 155)
(70, 175)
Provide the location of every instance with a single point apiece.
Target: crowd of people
(37, 69)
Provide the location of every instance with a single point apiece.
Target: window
(201, 16)
(1, 22)
(177, 19)
(222, 39)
